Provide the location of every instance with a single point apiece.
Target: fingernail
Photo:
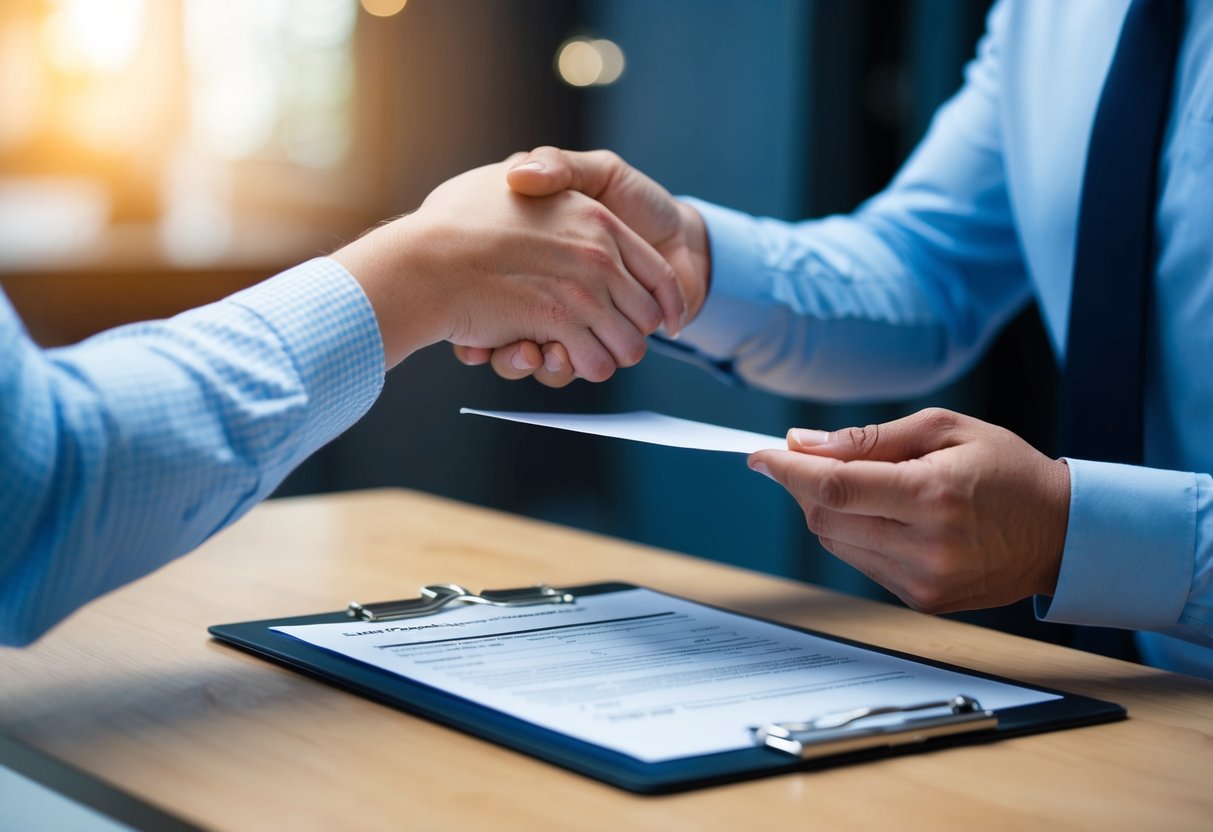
(682, 323)
(529, 166)
(519, 361)
(806, 438)
(761, 468)
(552, 362)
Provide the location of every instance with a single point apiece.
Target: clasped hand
(482, 266)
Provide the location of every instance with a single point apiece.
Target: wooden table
(133, 690)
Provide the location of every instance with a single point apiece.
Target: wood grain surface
(133, 690)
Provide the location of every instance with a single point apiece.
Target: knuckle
(555, 312)
(633, 352)
(833, 490)
(574, 299)
(607, 157)
(937, 419)
(862, 440)
(596, 369)
(650, 318)
(597, 215)
(924, 596)
(555, 381)
(816, 518)
(944, 501)
(596, 258)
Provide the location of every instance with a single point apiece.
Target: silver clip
(436, 596)
(837, 733)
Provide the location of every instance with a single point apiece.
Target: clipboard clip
(437, 596)
(841, 732)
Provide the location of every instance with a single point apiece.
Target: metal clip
(437, 596)
(837, 733)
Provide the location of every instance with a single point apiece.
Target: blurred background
(156, 154)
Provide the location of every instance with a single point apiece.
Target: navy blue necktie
(1103, 379)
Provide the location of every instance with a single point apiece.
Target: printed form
(643, 673)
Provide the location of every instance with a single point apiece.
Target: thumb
(642, 204)
(907, 438)
(548, 170)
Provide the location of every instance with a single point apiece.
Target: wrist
(1057, 483)
(389, 264)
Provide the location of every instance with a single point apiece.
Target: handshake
(557, 265)
(553, 264)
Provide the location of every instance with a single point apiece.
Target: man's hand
(675, 230)
(945, 511)
(481, 266)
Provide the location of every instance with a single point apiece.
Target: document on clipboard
(650, 691)
(645, 674)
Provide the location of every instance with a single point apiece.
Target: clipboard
(833, 739)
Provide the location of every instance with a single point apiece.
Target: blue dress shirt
(133, 447)
(904, 295)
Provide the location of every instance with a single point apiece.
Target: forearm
(824, 310)
(134, 447)
(894, 299)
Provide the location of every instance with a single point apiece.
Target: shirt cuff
(327, 326)
(740, 298)
(1128, 556)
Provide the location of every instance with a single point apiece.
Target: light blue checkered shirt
(131, 448)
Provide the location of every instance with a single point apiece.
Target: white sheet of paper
(643, 673)
(646, 426)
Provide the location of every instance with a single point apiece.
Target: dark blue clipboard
(1070, 711)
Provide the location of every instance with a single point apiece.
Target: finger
(517, 360)
(472, 356)
(588, 354)
(646, 210)
(557, 369)
(908, 438)
(626, 344)
(656, 276)
(880, 489)
(887, 571)
(879, 534)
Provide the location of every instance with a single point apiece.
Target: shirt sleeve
(1118, 570)
(134, 446)
(893, 300)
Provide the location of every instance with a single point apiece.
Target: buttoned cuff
(740, 298)
(1129, 555)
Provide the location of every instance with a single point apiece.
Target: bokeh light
(383, 8)
(589, 62)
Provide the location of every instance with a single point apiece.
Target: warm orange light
(94, 35)
(383, 8)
